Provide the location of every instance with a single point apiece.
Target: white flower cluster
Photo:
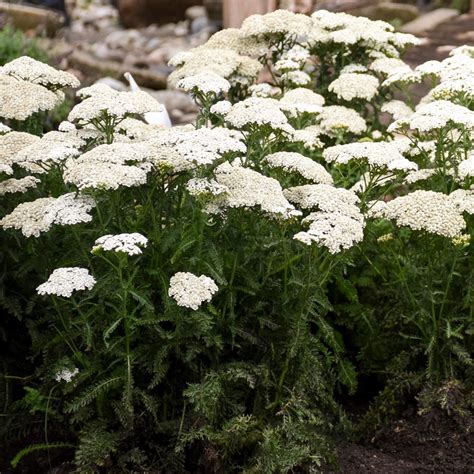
(185, 148)
(36, 72)
(350, 86)
(4, 128)
(247, 188)
(300, 164)
(335, 231)
(466, 167)
(10, 144)
(190, 291)
(224, 62)
(42, 154)
(35, 217)
(107, 166)
(348, 30)
(264, 90)
(325, 198)
(337, 225)
(20, 99)
(296, 78)
(309, 137)
(397, 109)
(454, 88)
(131, 244)
(64, 281)
(301, 101)
(205, 187)
(335, 119)
(435, 115)
(229, 38)
(279, 22)
(205, 83)
(256, 111)
(66, 375)
(13, 185)
(375, 154)
(389, 66)
(101, 99)
(429, 211)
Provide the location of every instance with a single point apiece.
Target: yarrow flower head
(300, 101)
(66, 374)
(349, 86)
(224, 62)
(13, 185)
(190, 291)
(130, 244)
(247, 188)
(34, 71)
(299, 164)
(35, 217)
(65, 281)
(205, 83)
(101, 99)
(187, 148)
(335, 231)
(428, 211)
(378, 154)
(20, 99)
(276, 23)
(335, 119)
(258, 111)
(435, 115)
(397, 109)
(466, 167)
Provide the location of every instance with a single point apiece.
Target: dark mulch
(420, 444)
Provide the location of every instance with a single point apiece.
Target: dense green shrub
(203, 297)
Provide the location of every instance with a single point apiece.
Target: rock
(387, 11)
(158, 56)
(98, 68)
(199, 24)
(113, 83)
(137, 13)
(429, 21)
(188, 118)
(125, 39)
(445, 48)
(26, 18)
(195, 11)
(173, 99)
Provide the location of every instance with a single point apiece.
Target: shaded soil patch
(420, 444)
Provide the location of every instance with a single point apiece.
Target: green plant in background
(14, 43)
(200, 297)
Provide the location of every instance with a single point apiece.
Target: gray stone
(113, 83)
(195, 11)
(158, 56)
(173, 99)
(97, 68)
(429, 21)
(199, 24)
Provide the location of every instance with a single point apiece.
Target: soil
(456, 32)
(419, 444)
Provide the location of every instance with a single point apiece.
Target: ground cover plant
(203, 297)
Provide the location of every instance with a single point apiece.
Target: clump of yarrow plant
(207, 277)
